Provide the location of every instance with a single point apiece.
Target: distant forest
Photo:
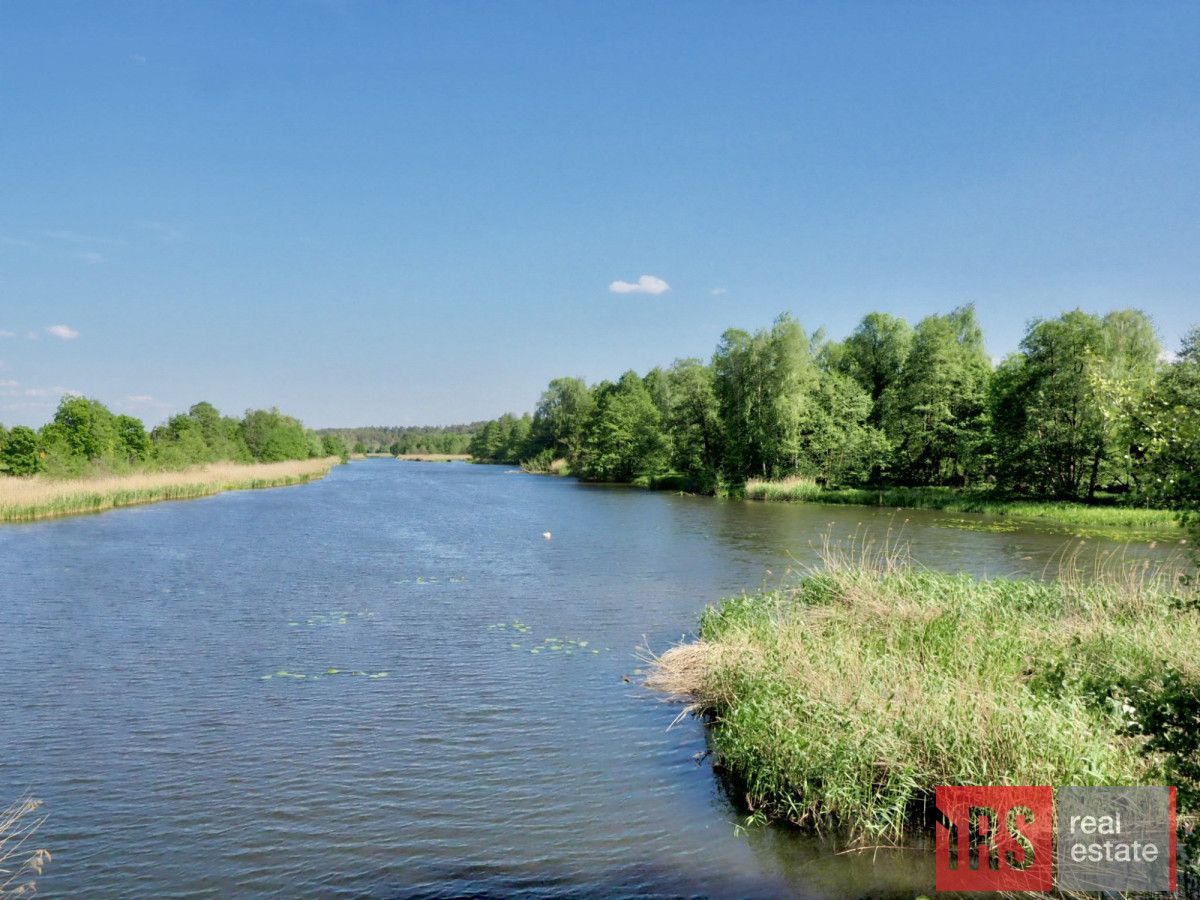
(85, 437)
(1087, 404)
(400, 440)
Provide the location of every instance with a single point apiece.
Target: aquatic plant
(844, 700)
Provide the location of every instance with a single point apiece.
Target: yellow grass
(26, 499)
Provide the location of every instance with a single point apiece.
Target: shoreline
(35, 499)
(1121, 523)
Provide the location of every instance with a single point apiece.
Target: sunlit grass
(1091, 517)
(26, 499)
(843, 702)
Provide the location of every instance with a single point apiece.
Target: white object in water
(546, 535)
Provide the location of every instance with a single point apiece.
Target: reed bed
(1075, 515)
(844, 701)
(27, 499)
(20, 863)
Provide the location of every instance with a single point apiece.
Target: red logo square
(994, 838)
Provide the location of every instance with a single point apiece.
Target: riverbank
(28, 499)
(845, 701)
(1108, 519)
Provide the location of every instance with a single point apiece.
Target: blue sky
(401, 213)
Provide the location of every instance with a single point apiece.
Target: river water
(136, 647)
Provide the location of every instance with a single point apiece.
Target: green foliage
(624, 436)
(333, 445)
(82, 429)
(847, 700)
(934, 410)
(561, 418)
(20, 454)
(427, 439)
(503, 440)
(1081, 410)
(1059, 428)
(272, 437)
(133, 444)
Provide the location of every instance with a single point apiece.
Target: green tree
(333, 445)
(874, 356)
(1057, 425)
(133, 444)
(623, 437)
(561, 418)
(765, 385)
(20, 454)
(694, 422)
(271, 436)
(935, 411)
(82, 429)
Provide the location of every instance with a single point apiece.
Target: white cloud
(91, 256)
(8, 383)
(74, 237)
(7, 334)
(140, 398)
(717, 292)
(647, 284)
(138, 58)
(62, 332)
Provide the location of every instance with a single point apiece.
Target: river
(137, 646)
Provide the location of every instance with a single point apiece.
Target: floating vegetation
(563, 645)
(328, 673)
(325, 620)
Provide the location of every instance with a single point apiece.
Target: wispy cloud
(137, 58)
(74, 237)
(62, 332)
(718, 291)
(7, 334)
(9, 383)
(140, 398)
(92, 257)
(6, 241)
(647, 284)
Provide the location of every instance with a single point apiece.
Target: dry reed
(26, 499)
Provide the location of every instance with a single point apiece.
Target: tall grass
(798, 488)
(26, 499)
(843, 702)
(20, 865)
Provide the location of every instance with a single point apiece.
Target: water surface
(135, 646)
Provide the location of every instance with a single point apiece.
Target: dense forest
(86, 437)
(399, 440)
(1085, 405)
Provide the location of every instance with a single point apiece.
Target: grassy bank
(434, 457)
(26, 499)
(1094, 517)
(845, 701)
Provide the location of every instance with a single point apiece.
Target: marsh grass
(26, 499)
(20, 865)
(844, 701)
(1100, 517)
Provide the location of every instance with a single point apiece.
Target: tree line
(1084, 406)
(85, 437)
(399, 440)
